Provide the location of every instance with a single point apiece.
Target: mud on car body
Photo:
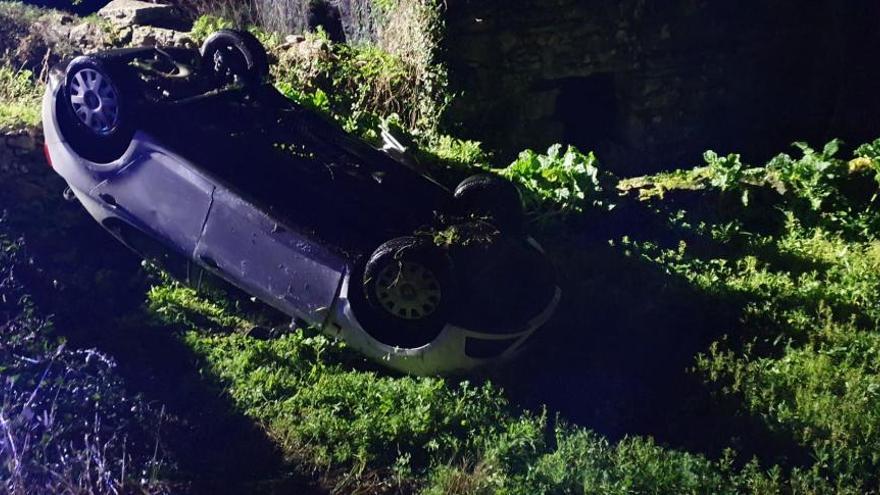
(193, 152)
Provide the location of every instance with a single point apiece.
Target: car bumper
(455, 350)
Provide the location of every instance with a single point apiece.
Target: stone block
(136, 12)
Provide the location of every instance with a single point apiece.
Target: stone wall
(649, 85)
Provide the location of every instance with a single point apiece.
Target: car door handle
(108, 199)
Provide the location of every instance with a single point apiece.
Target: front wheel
(94, 111)
(407, 286)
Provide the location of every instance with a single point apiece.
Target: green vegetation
(364, 86)
(801, 261)
(208, 24)
(21, 99)
(360, 86)
(329, 412)
(791, 249)
(565, 182)
(177, 304)
(460, 153)
(802, 357)
(805, 267)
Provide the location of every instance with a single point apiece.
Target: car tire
(493, 197)
(94, 111)
(408, 291)
(235, 57)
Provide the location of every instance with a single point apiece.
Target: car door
(287, 269)
(158, 194)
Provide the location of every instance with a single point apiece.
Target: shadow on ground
(618, 356)
(95, 289)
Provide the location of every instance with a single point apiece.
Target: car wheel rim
(408, 290)
(95, 101)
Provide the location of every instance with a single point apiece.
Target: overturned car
(192, 152)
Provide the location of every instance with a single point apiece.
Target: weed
(206, 25)
(811, 177)
(563, 182)
(460, 153)
(804, 359)
(726, 172)
(21, 99)
(66, 423)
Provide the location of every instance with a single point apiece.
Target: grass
(67, 423)
(806, 272)
(393, 433)
(809, 363)
(21, 99)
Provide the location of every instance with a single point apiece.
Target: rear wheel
(94, 111)
(408, 290)
(235, 57)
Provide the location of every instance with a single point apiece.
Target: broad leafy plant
(559, 181)
(810, 177)
(725, 172)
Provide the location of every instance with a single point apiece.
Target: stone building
(649, 85)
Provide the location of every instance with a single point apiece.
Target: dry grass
(239, 12)
(285, 16)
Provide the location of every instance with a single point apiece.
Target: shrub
(561, 182)
(725, 172)
(357, 85)
(21, 99)
(206, 25)
(804, 358)
(412, 30)
(811, 177)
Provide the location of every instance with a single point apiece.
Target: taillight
(46, 154)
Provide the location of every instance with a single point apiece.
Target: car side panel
(284, 268)
(163, 196)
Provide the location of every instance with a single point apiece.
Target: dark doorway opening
(587, 109)
(329, 18)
